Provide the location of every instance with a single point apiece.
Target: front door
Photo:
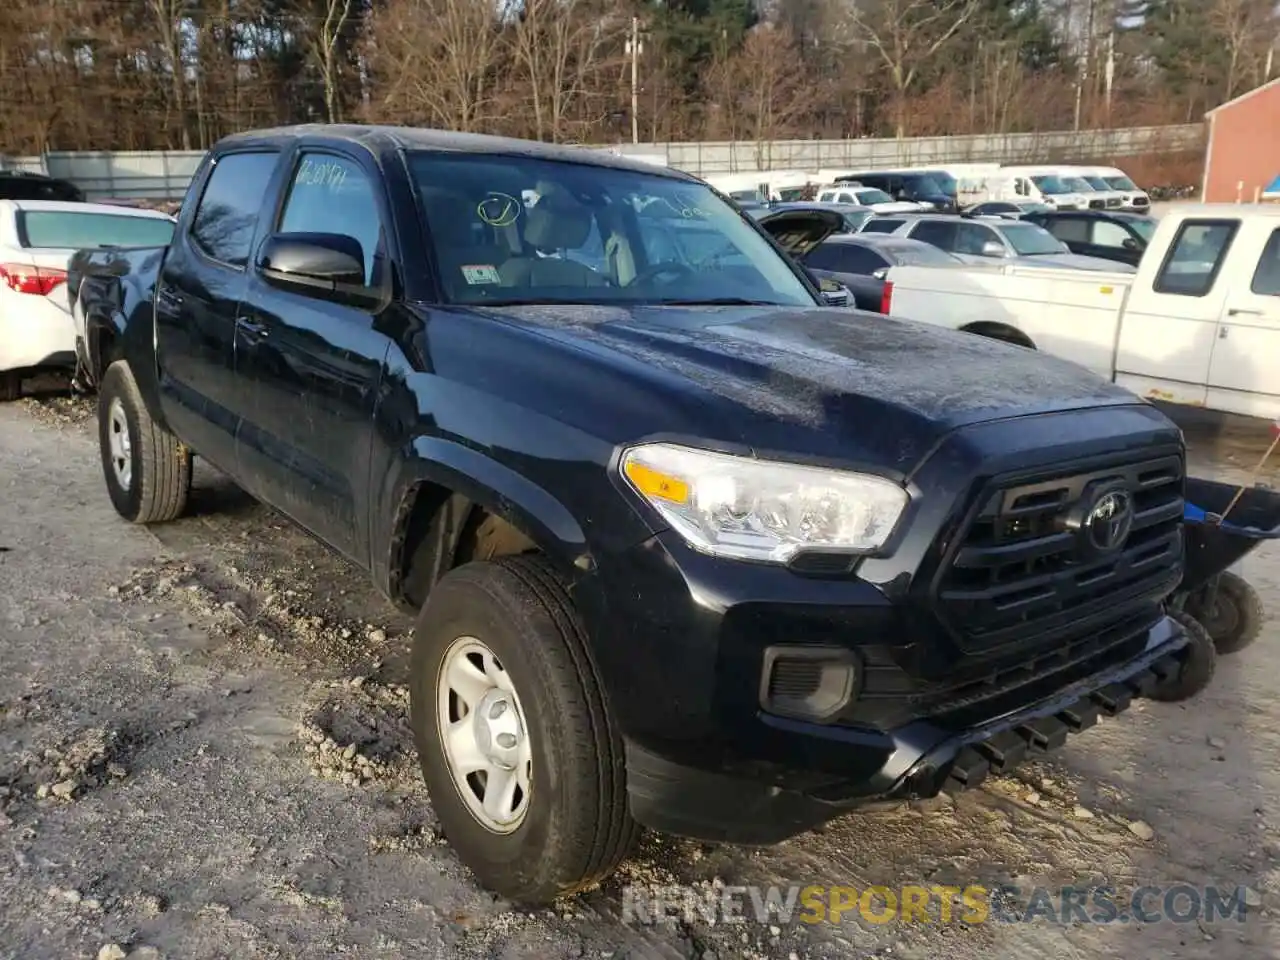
(313, 365)
(197, 298)
(1170, 324)
(1244, 373)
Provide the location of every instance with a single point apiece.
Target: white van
(1039, 183)
(762, 186)
(1132, 196)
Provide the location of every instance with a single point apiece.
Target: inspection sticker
(481, 273)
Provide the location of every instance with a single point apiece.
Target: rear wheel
(148, 471)
(1195, 669)
(10, 386)
(524, 765)
(1234, 617)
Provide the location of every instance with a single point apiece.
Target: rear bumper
(34, 333)
(918, 760)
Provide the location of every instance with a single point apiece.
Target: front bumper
(917, 760)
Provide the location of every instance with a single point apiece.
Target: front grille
(1114, 201)
(1017, 574)
(1097, 204)
(1141, 201)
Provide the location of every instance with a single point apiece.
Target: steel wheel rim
(119, 444)
(484, 736)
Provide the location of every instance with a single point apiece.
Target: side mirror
(881, 273)
(992, 248)
(326, 265)
(1130, 244)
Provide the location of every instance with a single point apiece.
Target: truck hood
(817, 381)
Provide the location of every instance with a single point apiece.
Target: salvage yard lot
(204, 753)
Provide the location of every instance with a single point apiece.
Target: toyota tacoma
(688, 548)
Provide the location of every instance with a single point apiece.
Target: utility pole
(633, 47)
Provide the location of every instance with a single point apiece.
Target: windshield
(1143, 228)
(1078, 184)
(945, 181)
(1122, 183)
(1050, 184)
(1098, 183)
(1031, 206)
(1028, 240)
(923, 186)
(518, 229)
(925, 255)
(55, 229)
(854, 221)
(871, 195)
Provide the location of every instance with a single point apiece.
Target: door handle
(254, 329)
(1243, 311)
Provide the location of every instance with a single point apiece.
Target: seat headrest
(558, 221)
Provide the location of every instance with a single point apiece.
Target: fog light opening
(807, 683)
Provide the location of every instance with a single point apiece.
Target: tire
(571, 827)
(154, 486)
(1195, 670)
(1236, 617)
(10, 386)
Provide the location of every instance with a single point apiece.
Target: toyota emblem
(1109, 521)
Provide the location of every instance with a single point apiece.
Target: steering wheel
(658, 269)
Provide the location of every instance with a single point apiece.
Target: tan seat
(556, 222)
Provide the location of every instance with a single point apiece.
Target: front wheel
(1234, 619)
(148, 471)
(1195, 667)
(523, 762)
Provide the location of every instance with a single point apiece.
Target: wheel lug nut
(507, 740)
(498, 709)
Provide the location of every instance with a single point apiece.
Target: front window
(1051, 185)
(517, 229)
(59, 230)
(868, 197)
(1121, 183)
(945, 181)
(1028, 240)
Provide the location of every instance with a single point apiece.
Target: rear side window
(936, 232)
(846, 258)
(881, 225)
(1069, 229)
(56, 229)
(1266, 279)
(1197, 254)
(229, 207)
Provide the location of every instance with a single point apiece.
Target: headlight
(751, 509)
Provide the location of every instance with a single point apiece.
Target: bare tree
(325, 33)
(907, 35)
(439, 56)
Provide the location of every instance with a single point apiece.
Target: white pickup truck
(1198, 323)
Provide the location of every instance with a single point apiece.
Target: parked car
(1010, 209)
(1198, 324)
(24, 185)
(914, 187)
(798, 228)
(1118, 236)
(37, 237)
(869, 198)
(982, 241)
(860, 262)
(688, 549)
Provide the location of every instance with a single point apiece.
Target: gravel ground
(204, 753)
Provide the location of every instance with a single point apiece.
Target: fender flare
(492, 486)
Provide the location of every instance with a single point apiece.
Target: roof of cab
(378, 139)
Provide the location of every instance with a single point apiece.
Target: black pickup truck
(688, 548)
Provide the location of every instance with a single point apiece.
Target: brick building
(1243, 155)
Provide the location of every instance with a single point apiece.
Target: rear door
(938, 233)
(1244, 372)
(312, 366)
(198, 296)
(1170, 322)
